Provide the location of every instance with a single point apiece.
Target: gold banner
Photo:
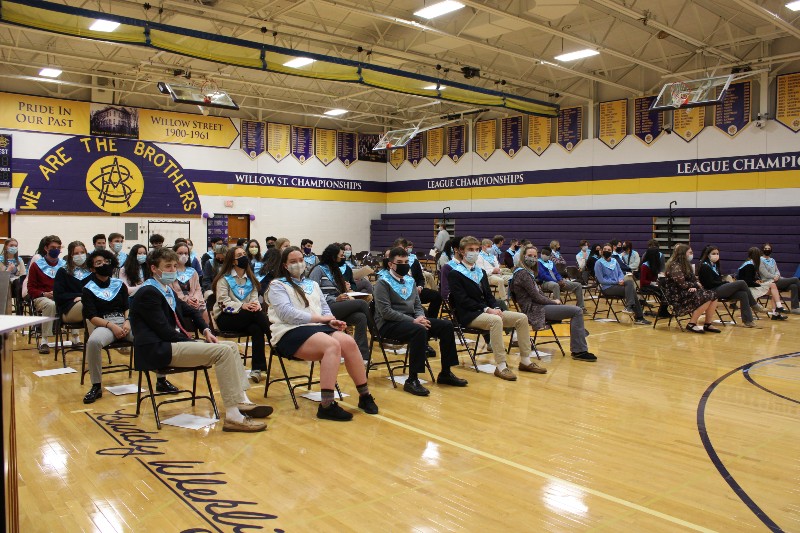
(688, 122)
(613, 122)
(485, 138)
(539, 131)
(33, 113)
(325, 145)
(279, 137)
(434, 146)
(788, 103)
(183, 128)
(396, 157)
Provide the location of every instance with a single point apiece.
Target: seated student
(447, 254)
(187, 283)
(426, 295)
(282, 244)
(595, 253)
(360, 273)
(497, 247)
(630, 256)
(269, 270)
(99, 241)
(749, 273)
(737, 291)
(309, 256)
(582, 258)
(194, 261)
(685, 293)
(507, 257)
(616, 253)
(156, 241)
(430, 279)
(40, 252)
(522, 243)
(614, 283)
(237, 308)
(331, 274)
(255, 258)
(209, 255)
(491, 266)
(444, 270)
(399, 315)
(10, 261)
(117, 242)
(212, 268)
(552, 281)
(539, 308)
(157, 318)
(41, 277)
(558, 260)
(133, 272)
(68, 286)
(304, 327)
(270, 242)
(474, 306)
(768, 271)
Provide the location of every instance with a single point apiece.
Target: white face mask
(471, 257)
(296, 269)
(183, 258)
(584, 248)
(79, 259)
(117, 246)
(713, 258)
(689, 257)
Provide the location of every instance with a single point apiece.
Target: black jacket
(154, 329)
(66, 288)
(708, 278)
(416, 273)
(469, 298)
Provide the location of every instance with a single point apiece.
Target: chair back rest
(573, 272)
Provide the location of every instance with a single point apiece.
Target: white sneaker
(255, 376)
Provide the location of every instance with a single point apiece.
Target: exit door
(238, 228)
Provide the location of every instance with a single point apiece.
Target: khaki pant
(74, 315)
(47, 307)
(501, 282)
(495, 325)
(430, 280)
(225, 358)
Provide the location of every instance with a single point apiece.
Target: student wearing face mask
(212, 268)
(116, 243)
(68, 286)
(475, 307)
(491, 266)
(768, 271)
(134, 271)
(426, 295)
(187, 284)
(551, 280)
(710, 276)
(303, 326)
(748, 272)
(194, 260)
(213, 242)
(255, 258)
(582, 257)
(360, 273)
(558, 260)
(41, 278)
(10, 261)
(270, 242)
(237, 308)
(539, 308)
(399, 315)
(614, 283)
(630, 257)
(308, 255)
(99, 241)
(617, 249)
(685, 293)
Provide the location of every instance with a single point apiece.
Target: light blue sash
(306, 284)
(186, 275)
(240, 291)
(452, 263)
(547, 264)
(411, 259)
(256, 265)
(475, 275)
(81, 273)
(770, 262)
(709, 263)
(343, 268)
(556, 254)
(108, 293)
(405, 289)
(167, 294)
(489, 258)
(748, 262)
(496, 250)
(48, 269)
(121, 258)
(610, 264)
(310, 260)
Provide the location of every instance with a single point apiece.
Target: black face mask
(768, 252)
(242, 262)
(270, 245)
(105, 270)
(402, 270)
(341, 262)
(607, 254)
(619, 249)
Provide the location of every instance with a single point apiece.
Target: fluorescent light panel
(439, 9)
(580, 54)
(433, 87)
(298, 62)
(104, 25)
(794, 6)
(50, 72)
(335, 112)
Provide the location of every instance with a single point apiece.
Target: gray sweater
(391, 307)
(768, 272)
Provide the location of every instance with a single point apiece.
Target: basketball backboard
(692, 93)
(207, 95)
(395, 138)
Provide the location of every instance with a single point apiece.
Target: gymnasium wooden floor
(611, 446)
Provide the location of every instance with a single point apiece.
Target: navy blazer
(154, 329)
(469, 298)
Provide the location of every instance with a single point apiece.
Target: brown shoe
(505, 374)
(532, 367)
(247, 426)
(254, 410)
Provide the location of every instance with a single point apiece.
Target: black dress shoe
(162, 385)
(429, 352)
(94, 393)
(415, 388)
(451, 379)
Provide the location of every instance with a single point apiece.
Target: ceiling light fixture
(794, 6)
(298, 62)
(433, 87)
(104, 25)
(438, 9)
(580, 54)
(50, 72)
(335, 112)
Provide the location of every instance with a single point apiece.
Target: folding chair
(726, 310)
(662, 299)
(110, 368)
(548, 327)
(152, 394)
(608, 301)
(210, 303)
(461, 335)
(62, 330)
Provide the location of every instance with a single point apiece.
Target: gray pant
(577, 332)
(790, 284)
(354, 312)
(569, 286)
(225, 358)
(47, 307)
(99, 338)
(628, 291)
(738, 291)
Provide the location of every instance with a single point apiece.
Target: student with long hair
(255, 257)
(303, 326)
(187, 283)
(768, 271)
(685, 293)
(237, 308)
(361, 273)
(10, 261)
(133, 271)
(748, 272)
(710, 276)
(68, 286)
(269, 268)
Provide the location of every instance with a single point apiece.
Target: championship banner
(184, 128)
(570, 127)
(511, 135)
(485, 138)
(613, 122)
(302, 143)
(434, 145)
(253, 140)
(733, 113)
(346, 147)
(539, 131)
(396, 157)
(688, 122)
(647, 125)
(456, 137)
(114, 121)
(366, 141)
(787, 110)
(50, 115)
(5, 161)
(414, 151)
(107, 175)
(279, 138)
(325, 145)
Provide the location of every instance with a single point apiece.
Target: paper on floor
(316, 396)
(54, 372)
(188, 421)
(119, 390)
(487, 368)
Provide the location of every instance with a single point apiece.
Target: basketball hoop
(680, 94)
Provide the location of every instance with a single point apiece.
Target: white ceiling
(642, 44)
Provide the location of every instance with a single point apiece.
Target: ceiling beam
(770, 17)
